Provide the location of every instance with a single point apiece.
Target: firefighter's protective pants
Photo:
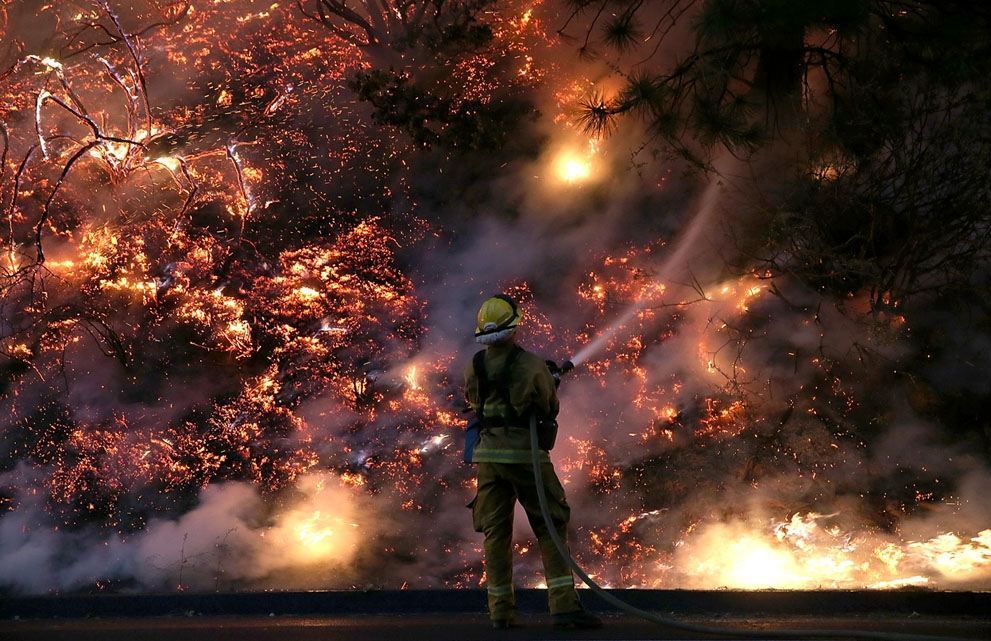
(500, 485)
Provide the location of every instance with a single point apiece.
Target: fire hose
(562, 549)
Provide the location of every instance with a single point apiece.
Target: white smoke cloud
(531, 227)
(234, 536)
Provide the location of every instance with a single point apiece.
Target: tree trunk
(779, 74)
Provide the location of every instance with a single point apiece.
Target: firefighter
(505, 384)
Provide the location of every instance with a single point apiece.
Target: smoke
(232, 536)
(786, 493)
(686, 249)
(284, 410)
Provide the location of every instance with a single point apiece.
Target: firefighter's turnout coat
(505, 475)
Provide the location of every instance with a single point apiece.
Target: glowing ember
(235, 317)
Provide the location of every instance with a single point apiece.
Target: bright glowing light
(317, 536)
(894, 584)
(12, 262)
(410, 378)
(801, 553)
(170, 163)
(954, 557)
(573, 168)
(321, 527)
(316, 532)
(753, 563)
(46, 61)
(433, 443)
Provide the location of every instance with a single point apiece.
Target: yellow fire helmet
(497, 320)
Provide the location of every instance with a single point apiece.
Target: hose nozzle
(559, 370)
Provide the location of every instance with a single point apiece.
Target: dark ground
(437, 615)
(451, 627)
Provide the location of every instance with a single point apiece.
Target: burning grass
(213, 348)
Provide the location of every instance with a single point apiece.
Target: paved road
(456, 627)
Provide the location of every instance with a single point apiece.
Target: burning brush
(227, 315)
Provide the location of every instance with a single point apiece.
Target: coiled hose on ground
(680, 625)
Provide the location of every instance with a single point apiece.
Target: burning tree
(234, 253)
(166, 275)
(424, 58)
(753, 66)
(861, 125)
(388, 30)
(882, 104)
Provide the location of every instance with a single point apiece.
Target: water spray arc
(688, 240)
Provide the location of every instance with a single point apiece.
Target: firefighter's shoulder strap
(482, 376)
(502, 384)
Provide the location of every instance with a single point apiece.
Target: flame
(319, 336)
(321, 528)
(12, 261)
(573, 168)
(954, 557)
(800, 553)
(410, 377)
(752, 563)
(169, 162)
(316, 535)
